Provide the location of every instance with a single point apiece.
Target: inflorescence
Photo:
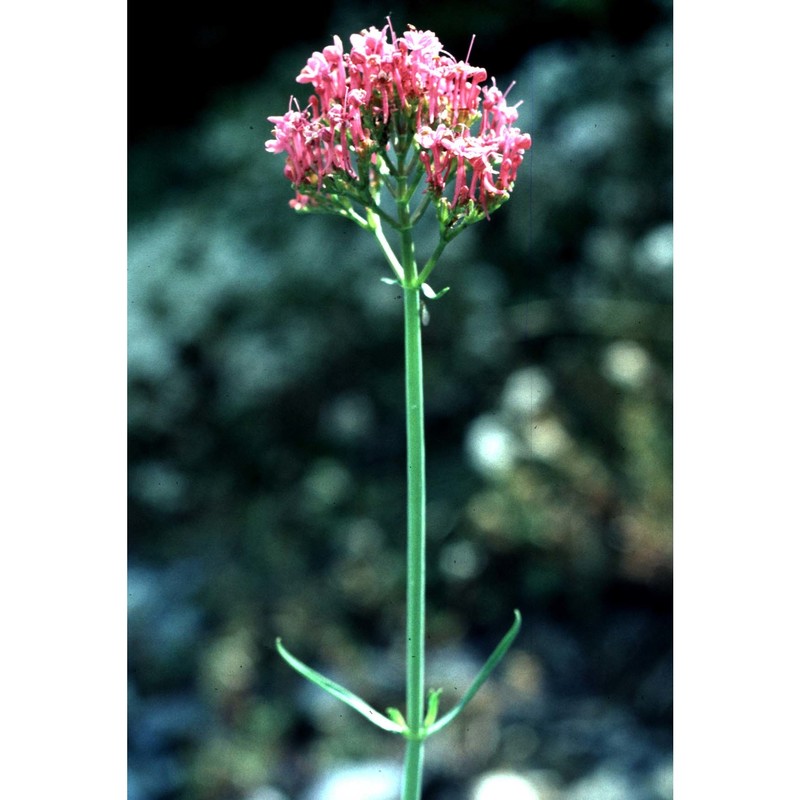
(387, 98)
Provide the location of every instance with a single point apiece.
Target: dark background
(266, 427)
(180, 63)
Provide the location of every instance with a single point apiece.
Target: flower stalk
(415, 575)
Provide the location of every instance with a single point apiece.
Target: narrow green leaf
(431, 294)
(433, 708)
(339, 692)
(428, 292)
(395, 715)
(491, 663)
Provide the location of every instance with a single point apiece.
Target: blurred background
(267, 439)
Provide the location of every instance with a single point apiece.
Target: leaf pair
(394, 722)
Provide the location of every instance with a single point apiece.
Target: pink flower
(423, 42)
(326, 73)
(434, 155)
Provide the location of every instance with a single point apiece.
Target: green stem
(415, 579)
(416, 514)
(374, 222)
(431, 263)
(412, 769)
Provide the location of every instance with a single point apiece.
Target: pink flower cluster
(485, 165)
(357, 94)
